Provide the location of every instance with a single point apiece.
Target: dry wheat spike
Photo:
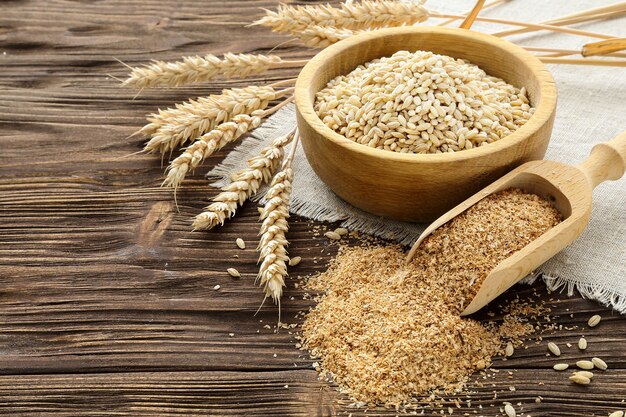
(366, 14)
(228, 100)
(245, 184)
(208, 143)
(203, 116)
(323, 36)
(272, 246)
(214, 140)
(193, 69)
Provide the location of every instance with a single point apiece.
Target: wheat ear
(322, 36)
(214, 140)
(227, 100)
(245, 184)
(204, 116)
(365, 14)
(193, 69)
(273, 243)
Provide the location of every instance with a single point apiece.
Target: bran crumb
(386, 331)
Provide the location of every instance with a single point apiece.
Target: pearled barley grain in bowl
(420, 187)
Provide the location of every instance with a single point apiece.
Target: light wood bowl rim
(543, 110)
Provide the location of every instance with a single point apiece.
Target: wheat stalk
(200, 116)
(584, 61)
(272, 246)
(533, 26)
(193, 69)
(245, 184)
(603, 47)
(601, 13)
(214, 140)
(365, 14)
(486, 6)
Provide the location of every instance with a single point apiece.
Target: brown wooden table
(107, 304)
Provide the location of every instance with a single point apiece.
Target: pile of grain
(422, 102)
(387, 331)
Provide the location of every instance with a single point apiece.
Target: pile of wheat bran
(387, 331)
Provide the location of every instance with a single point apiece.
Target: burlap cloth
(591, 109)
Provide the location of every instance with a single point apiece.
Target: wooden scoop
(569, 188)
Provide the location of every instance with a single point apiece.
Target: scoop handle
(607, 161)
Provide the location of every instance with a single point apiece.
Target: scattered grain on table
(580, 379)
(341, 231)
(584, 364)
(586, 374)
(509, 350)
(554, 349)
(509, 410)
(233, 273)
(594, 320)
(599, 363)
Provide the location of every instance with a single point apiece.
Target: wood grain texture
(107, 304)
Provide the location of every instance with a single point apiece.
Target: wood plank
(90, 321)
(107, 300)
(296, 393)
(287, 393)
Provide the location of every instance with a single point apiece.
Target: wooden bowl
(420, 187)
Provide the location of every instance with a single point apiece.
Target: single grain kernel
(240, 243)
(617, 414)
(580, 379)
(509, 410)
(560, 366)
(217, 287)
(341, 231)
(594, 320)
(582, 343)
(508, 351)
(233, 272)
(586, 374)
(332, 235)
(585, 364)
(295, 260)
(599, 363)
(554, 349)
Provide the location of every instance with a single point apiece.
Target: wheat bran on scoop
(387, 332)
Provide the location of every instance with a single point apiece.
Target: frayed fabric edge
(315, 211)
(595, 292)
